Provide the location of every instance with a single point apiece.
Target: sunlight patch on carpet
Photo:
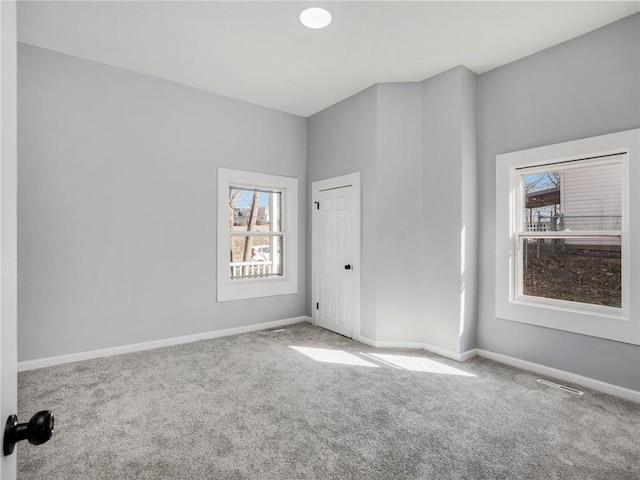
(325, 355)
(419, 364)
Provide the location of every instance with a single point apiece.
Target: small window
(567, 230)
(255, 228)
(257, 235)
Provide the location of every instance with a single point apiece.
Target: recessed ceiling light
(315, 18)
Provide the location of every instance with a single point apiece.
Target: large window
(569, 233)
(257, 235)
(567, 236)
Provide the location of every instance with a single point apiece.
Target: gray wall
(416, 146)
(400, 238)
(585, 87)
(469, 211)
(342, 139)
(117, 182)
(449, 178)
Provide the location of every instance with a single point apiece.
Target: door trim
(350, 180)
(8, 224)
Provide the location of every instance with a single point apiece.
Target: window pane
(256, 256)
(574, 269)
(254, 210)
(578, 199)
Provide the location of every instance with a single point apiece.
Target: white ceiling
(259, 52)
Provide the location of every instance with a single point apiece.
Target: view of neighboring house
(591, 198)
(588, 198)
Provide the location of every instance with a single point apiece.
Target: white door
(335, 260)
(8, 228)
(335, 246)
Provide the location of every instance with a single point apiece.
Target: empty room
(320, 240)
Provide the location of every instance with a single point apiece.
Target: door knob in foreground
(347, 267)
(37, 431)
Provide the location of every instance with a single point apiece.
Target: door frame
(8, 223)
(350, 180)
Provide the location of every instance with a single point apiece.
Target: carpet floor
(304, 403)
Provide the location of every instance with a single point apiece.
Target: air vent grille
(275, 330)
(559, 387)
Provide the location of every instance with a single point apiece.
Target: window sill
(571, 307)
(242, 289)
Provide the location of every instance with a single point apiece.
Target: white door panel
(335, 295)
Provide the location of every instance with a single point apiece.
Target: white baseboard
(443, 352)
(604, 387)
(464, 356)
(598, 385)
(395, 344)
(166, 342)
(459, 357)
(365, 340)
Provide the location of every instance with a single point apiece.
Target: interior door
(335, 260)
(8, 226)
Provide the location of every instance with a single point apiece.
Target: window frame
(243, 288)
(257, 234)
(520, 233)
(620, 324)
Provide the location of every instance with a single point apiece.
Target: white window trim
(620, 324)
(287, 283)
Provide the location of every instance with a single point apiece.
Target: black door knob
(347, 267)
(37, 431)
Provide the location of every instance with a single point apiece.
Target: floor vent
(560, 387)
(275, 330)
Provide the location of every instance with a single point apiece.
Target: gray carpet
(252, 407)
